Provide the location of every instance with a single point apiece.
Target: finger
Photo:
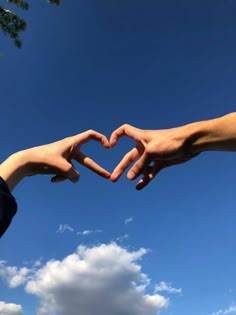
(88, 135)
(149, 176)
(129, 158)
(139, 167)
(152, 171)
(90, 164)
(67, 170)
(125, 130)
(58, 179)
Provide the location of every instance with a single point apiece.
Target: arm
(217, 134)
(54, 158)
(157, 149)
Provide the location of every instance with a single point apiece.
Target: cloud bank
(13, 275)
(10, 309)
(104, 279)
(101, 280)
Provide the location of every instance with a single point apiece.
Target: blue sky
(100, 64)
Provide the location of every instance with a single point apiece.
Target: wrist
(217, 134)
(197, 136)
(14, 169)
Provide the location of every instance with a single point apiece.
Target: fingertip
(112, 143)
(53, 180)
(116, 175)
(105, 142)
(107, 175)
(140, 185)
(107, 145)
(113, 139)
(74, 178)
(113, 178)
(101, 172)
(131, 175)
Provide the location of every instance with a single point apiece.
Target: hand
(154, 150)
(54, 158)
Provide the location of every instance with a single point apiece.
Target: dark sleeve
(8, 207)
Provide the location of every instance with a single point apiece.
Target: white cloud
(10, 309)
(128, 220)
(230, 310)
(88, 232)
(105, 279)
(37, 263)
(13, 275)
(167, 287)
(66, 227)
(63, 227)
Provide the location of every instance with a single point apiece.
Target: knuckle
(68, 142)
(149, 150)
(138, 167)
(71, 141)
(128, 157)
(91, 131)
(129, 160)
(67, 168)
(126, 126)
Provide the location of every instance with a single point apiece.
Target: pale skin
(158, 149)
(154, 151)
(55, 158)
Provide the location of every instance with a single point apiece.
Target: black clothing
(8, 207)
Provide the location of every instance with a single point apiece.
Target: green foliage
(12, 24)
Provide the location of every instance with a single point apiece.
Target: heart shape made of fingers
(154, 150)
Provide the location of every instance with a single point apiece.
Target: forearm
(217, 134)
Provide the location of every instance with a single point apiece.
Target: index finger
(90, 164)
(88, 135)
(139, 167)
(128, 159)
(124, 130)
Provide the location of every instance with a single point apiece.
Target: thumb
(67, 170)
(58, 179)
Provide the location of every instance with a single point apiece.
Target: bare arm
(54, 158)
(157, 149)
(217, 134)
